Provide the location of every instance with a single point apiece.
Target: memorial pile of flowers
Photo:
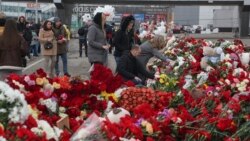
(202, 96)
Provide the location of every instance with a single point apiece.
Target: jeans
(34, 49)
(64, 61)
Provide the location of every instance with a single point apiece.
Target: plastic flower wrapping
(108, 10)
(188, 100)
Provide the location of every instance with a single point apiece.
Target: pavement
(79, 66)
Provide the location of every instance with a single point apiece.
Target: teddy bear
(212, 55)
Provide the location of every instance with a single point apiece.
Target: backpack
(81, 31)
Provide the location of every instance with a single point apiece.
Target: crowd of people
(20, 40)
(131, 55)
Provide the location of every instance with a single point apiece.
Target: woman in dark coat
(124, 37)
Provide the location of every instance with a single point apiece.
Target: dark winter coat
(129, 67)
(124, 40)
(12, 55)
(58, 33)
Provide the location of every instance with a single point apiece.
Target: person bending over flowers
(130, 68)
(151, 49)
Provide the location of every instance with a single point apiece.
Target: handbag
(48, 45)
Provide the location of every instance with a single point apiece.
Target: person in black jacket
(130, 69)
(21, 24)
(82, 32)
(124, 37)
(27, 35)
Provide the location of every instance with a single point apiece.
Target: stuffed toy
(212, 55)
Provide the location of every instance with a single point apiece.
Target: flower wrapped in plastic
(108, 10)
(90, 130)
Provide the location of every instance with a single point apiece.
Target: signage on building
(82, 9)
(139, 17)
(33, 5)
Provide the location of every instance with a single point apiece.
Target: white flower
(119, 91)
(50, 104)
(191, 57)
(62, 109)
(229, 65)
(227, 57)
(43, 126)
(179, 120)
(3, 110)
(237, 71)
(19, 113)
(202, 77)
(189, 81)
(2, 138)
(132, 139)
(241, 86)
(228, 82)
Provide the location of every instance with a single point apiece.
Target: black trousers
(81, 43)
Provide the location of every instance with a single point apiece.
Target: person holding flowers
(151, 49)
(130, 68)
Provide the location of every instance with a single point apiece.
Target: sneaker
(67, 74)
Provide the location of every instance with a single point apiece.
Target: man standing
(60, 35)
(82, 32)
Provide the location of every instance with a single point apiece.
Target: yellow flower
(144, 123)
(167, 83)
(163, 76)
(34, 112)
(56, 85)
(39, 81)
(161, 81)
(45, 80)
(106, 96)
(149, 128)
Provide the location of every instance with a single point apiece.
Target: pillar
(243, 22)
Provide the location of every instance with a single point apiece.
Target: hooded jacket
(124, 40)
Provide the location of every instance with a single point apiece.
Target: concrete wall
(186, 15)
(206, 15)
(227, 17)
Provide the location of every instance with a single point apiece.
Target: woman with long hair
(12, 45)
(98, 46)
(151, 49)
(124, 37)
(13, 48)
(47, 35)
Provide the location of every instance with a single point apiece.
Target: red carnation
(30, 122)
(224, 124)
